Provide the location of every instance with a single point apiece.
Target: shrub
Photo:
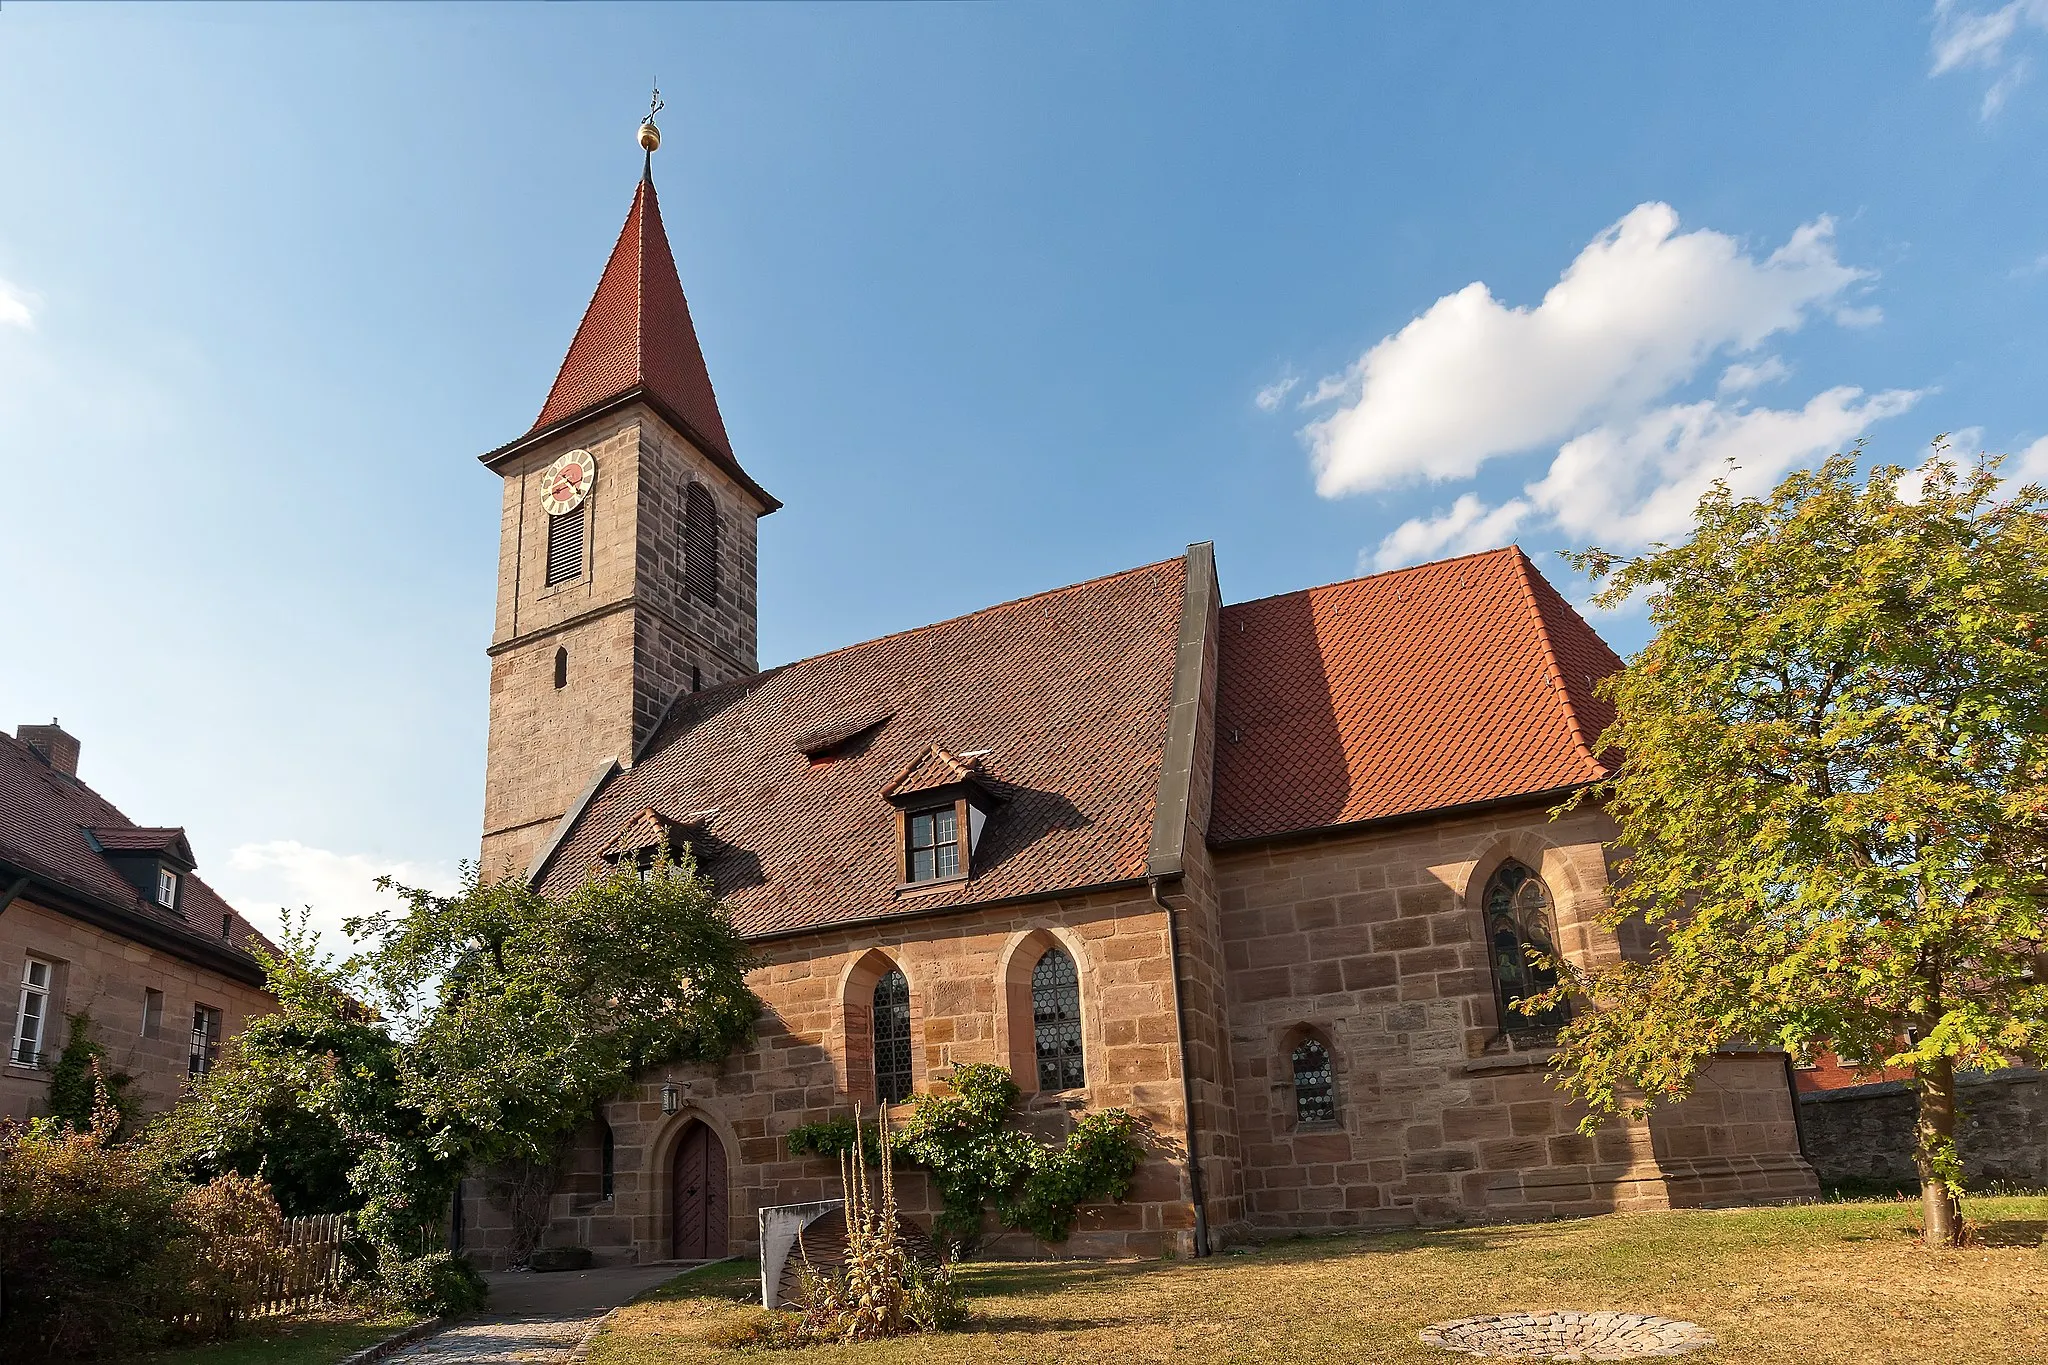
(82, 1222)
(227, 1257)
(443, 1284)
(79, 1081)
(758, 1329)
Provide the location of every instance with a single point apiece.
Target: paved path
(536, 1318)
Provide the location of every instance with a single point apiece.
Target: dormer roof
(169, 841)
(934, 769)
(651, 829)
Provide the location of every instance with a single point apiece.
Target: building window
(1518, 927)
(609, 1157)
(892, 1038)
(205, 1038)
(700, 542)
(1056, 1019)
(934, 845)
(1315, 1094)
(565, 547)
(167, 888)
(152, 1013)
(561, 668)
(33, 1017)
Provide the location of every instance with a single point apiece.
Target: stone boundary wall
(1864, 1134)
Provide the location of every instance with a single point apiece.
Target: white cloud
(1741, 377)
(17, 306)
(1467, 525)
(2030, 465)
(2026, 270)
(260, 879)
(1868, 315)
(1640, 310)
(1629, 484)
(1268, 399)
(1985, 40)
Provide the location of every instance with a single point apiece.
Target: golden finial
(650, 136)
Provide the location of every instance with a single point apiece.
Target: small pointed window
(565, 547)
(700, 542)
(561, 668)
(607, 1159)
(1056, 1017)
(892, 1038)
(1315, 1093)
(1518, 931)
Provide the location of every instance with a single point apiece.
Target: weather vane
(650, 136)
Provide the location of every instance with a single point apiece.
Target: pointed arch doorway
(697, 1191)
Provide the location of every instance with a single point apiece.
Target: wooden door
(698, 1191)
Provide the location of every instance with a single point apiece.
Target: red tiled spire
(637, 334)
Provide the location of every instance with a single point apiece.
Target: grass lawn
(311, 1339)
(1821, 1282)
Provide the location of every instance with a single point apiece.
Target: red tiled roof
(1450, 683)
(637, 333)
(44, 816)
(937, 766)
(1070, 691)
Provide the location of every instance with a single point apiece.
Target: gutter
(1374, 824)
(192, 946)
(1187, 1074)
(8, 897)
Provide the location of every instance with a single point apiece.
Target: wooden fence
(315, 1263)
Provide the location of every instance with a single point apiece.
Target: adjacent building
(1268, 874)
(107, 918)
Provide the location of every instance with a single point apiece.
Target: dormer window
(934, 851)
(942, 804)
(167, 888)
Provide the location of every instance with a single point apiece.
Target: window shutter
(700, 542)
(565, 547)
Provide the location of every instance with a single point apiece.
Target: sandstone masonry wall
(106, 976)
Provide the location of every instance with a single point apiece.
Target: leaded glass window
(1315, 1093)
(1056, 1016)
(892, 1038)
(934, 845)
(1518, 925)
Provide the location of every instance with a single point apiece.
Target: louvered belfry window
(565, 547)
(892, 1038)
(700, 542)
(1056, 1015)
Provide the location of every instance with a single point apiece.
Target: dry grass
(1825, 1282)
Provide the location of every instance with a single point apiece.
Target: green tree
(304, 1095)
(518, 1015)
(1831, 792)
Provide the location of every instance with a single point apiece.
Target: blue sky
(1336, 286)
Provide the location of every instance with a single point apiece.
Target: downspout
(1187, 1075)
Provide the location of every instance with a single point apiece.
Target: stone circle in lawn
(1568, 1336)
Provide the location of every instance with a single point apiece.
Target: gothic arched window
(1518, 925)
(892, 1038)
(1315, 1090)
(561, 668)
(1056, 1020)
(700, 542)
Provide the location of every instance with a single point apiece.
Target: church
(1263, 873)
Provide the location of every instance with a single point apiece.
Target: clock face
(565, 483)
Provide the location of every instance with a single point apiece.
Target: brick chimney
(52, 745)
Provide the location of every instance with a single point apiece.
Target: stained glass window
(1056, 1015)
(934, 845)
(892, 1038)
(1518, 923)
(1315, 1094)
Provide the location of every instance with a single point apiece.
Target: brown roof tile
(44, 816)
(1440, 685)
(1070, 690)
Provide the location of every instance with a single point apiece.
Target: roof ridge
(981, 611)
(1558, 686)
(1384, 573)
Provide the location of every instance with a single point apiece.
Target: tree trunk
(529, 1190)
(1935, 1150)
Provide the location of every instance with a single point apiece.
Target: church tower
(625, 547)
